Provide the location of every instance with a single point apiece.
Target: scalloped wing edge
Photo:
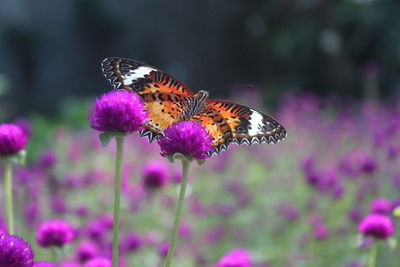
(273, 139)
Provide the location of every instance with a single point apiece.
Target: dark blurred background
(51, 50)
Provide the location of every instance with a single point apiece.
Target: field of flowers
(325, 196)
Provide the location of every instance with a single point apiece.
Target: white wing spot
(256, 122)
(136, 74)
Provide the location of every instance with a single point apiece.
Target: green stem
(373, 255)
(117, 199)
(8, 195)
(179, 209)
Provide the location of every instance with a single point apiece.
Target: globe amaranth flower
(12, 139)
(69, 264)
(131, 242)
(321, 232)
(87, 250)
(376, 225)
(43, 264)
(15, 252)
(154, 175)
(98, 262)
(237, 257)
(186, 137)
(54, 233)
(47, 159)
(381, 205)
(118, 111)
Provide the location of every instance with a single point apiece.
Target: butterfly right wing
(141, 78)
(247, 126)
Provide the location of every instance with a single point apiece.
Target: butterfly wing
(246, 125)
(216, 125)
(140, 78)
(164, 109)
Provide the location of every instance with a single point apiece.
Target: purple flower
(376, 225)
(184, 229)
(54, 233)
(12, 139)
(321, 232)
(81, 211)
(43, 264)
(235, 258)
(131, 242)
(118, 111)
(58, 204)
(69, 264)
(188, 138)
(163, 249)
(381, 205)
(98, 262)
(47, 159)
(288, 211)
(155, 175)
(354, 214)
(15, 252)
(87, 250)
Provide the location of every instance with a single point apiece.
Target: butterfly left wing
(246, 125)
(164, 109)
(141, 78)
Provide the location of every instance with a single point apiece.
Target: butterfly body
(168, 100)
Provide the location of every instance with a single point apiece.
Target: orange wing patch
(164, 109)
(216, 125)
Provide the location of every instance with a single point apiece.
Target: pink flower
(118, 111)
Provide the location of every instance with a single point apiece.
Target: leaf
(172, 158)
(105, 138)
(201, 161)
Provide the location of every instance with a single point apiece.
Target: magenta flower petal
(12, 139)
(43, 264)
(376, 225)
(54, 233)
(154, 175)
(235, 258)
(98, 262)
(118, 111)
(15, 252)
(188, 138)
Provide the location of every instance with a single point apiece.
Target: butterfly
(168, 101)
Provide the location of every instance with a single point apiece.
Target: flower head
(235, 258)
(186, 137)
(69, 264)
(43, 264)
(15, 252)
(118, 111)
(376, 225)
(54, 233)
(381, 205)
(87, 250)
(131, 242)
(155, 175)
(12, 139)
(47, 159)
(98, 262)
